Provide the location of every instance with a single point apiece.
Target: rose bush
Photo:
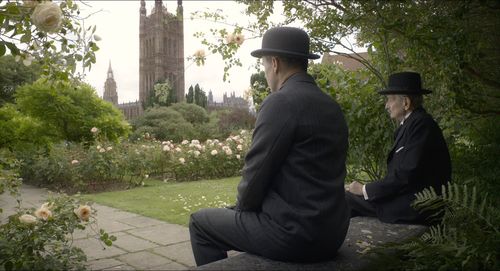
(42, 239)
(105, 165)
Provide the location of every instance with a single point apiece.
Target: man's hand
(356, 188)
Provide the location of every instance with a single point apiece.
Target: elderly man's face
(396, 105)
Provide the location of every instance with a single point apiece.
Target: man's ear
(406, 103)
(275, 64)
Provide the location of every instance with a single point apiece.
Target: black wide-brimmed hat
(406, 83)
(285, 41)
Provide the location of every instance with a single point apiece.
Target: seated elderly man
(418, 159)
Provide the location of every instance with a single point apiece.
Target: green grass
(171, 202)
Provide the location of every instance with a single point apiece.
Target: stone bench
(364, 233)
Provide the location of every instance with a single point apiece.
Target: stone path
(142, 243)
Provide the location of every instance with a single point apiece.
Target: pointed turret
(142, 11)
(110, 93)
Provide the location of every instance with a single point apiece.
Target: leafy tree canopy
(14, 74)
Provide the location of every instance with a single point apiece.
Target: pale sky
(118, 26)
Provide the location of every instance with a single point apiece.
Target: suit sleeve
(271, 142)
(408, 164)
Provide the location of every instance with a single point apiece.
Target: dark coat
(418, 159)
(294, 171)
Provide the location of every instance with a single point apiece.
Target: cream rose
(94, 130)
(47, 17)
(43, 213)
(239, 39)
(83, 212)
(27, 219)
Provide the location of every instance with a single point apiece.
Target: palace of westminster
(161, 57)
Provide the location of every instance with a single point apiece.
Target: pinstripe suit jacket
(294, 171)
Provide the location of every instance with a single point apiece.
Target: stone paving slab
(131, 243)
(103, 264)
(164, 234)
(181, 253)
(94, 250)
(144, 260)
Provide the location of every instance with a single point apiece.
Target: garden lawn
(171, 202)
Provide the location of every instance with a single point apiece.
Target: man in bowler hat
(291, 203)
(418, 159)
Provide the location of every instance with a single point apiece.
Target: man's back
(304, 164)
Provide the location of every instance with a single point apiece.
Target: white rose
(178, 149)
(239, 147)
(83, 212)
(196, 153)
(166, 148)
(239, 39)
(195, 142)
(182, 160)
(27, 61)
(27, 219)
(43, 213)
(74, 162)
(102, 150)
(184, 142)
(94, 130)
(47, 17)
(199, 53)
(229, 152)
(213, 152)
(97, 38)
(229, 38)
(109, 148)
(238, 156)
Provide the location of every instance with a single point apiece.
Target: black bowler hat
(405, 83)
(285, 41)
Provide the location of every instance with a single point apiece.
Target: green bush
(233, 119)
(68, 111)
(370, 128)
(193, 113)
(20, 131)
(163, 123)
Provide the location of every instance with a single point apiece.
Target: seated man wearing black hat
(291, 203)
(418, 159)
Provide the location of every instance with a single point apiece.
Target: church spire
(110, 71)
(143, 8)
(158, 5)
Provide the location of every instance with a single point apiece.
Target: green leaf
(2, 48)
(108, 242)
(26, 37)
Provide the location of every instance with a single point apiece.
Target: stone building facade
(227, 101)
(161, 36)
(161, 57)
(131, 109)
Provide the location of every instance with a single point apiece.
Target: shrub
(370, 129)
(42, 239)
(193, 113)
(163, 123)
(69, 110)
(234, 119)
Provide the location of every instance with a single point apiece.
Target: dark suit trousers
(359, 206)
(216, 231)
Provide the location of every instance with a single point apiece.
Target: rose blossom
(238, 156)
(109, 148)
(47, 17)
(27, 219)
(83, 212)
(43, 213)
(94, 130)
(184, 142)
(239, 39)
(182, 160)
(199, 53)
(102, 150)
(74, 162)
(196, 153)
(213, 152)
(239, 147)
(166, 148)
(230, 38)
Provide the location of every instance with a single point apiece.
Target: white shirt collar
(406, 116)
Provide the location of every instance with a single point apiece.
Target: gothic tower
(161, 37)
(110, 93)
